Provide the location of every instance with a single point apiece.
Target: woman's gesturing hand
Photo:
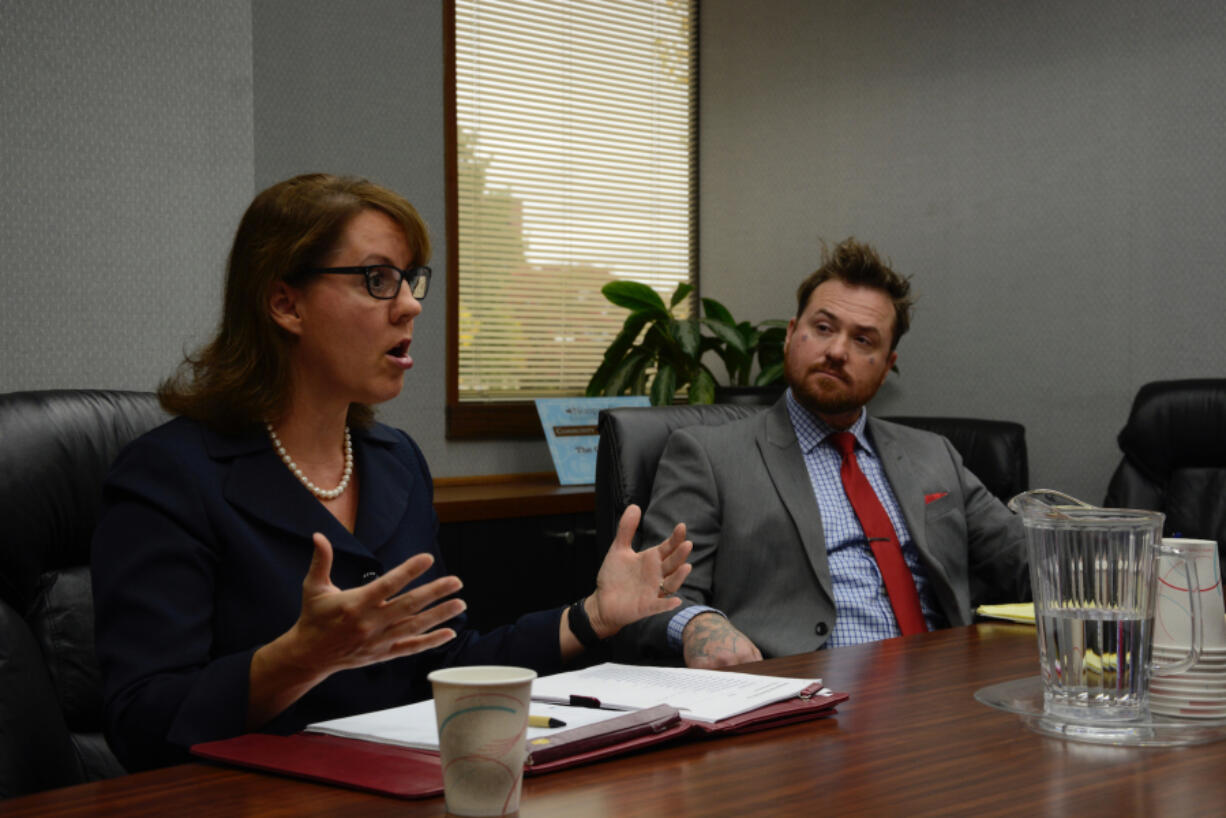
(339, 629)
(632, 585)
(374, 622)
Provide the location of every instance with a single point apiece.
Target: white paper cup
(1172, 618)
(482, 714)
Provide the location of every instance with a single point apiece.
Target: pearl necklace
(322, 494)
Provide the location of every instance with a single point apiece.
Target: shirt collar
(812, 431)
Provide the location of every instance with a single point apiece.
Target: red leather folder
(346, 762)
(405, 772)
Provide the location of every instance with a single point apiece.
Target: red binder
(405, 772)
(346, 762)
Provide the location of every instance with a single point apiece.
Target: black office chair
(55, 449)
(632, 440)
(1174, 446)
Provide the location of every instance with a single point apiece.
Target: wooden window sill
(504, 496)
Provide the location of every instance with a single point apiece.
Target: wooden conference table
(911, 741)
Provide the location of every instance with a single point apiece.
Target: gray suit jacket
(743, 492)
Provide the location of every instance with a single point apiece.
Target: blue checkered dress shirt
(863, 608)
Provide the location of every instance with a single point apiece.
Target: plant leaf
(680, 294)
(688, 337)
(772, 335)
(726, 333)
(717, 312)
(639, 387)
(660, 340)
(634, 295)
(770, 347)
(624, 377)
(702, 390)
(663, 386)
(617, 350)
(768, 357)
(769, 375)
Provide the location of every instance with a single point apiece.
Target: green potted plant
(739, 345)
(653, 338)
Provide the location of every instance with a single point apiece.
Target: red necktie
(899, 584)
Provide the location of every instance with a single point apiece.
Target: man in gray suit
(781, 561)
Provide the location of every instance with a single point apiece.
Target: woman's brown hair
(241, 376)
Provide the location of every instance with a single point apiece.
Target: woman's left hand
(632, 585)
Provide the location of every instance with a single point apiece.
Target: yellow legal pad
(1013, 612)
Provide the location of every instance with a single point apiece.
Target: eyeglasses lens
(383, 282)
(419, 282)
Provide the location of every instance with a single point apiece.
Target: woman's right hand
(337, 630)
(345, 629)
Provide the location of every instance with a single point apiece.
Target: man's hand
(709, 641)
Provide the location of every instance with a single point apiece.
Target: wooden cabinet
(520, 543)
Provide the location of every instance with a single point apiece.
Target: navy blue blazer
(199, 559)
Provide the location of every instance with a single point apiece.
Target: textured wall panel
(1051, 173)
(125, 157)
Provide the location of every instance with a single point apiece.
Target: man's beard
(820, 402)
(841, 399)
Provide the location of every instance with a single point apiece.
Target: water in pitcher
(1095, 662)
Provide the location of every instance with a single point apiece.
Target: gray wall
(125, 155)
(1051, 173)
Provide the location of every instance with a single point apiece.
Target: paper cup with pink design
(482, 714)
(1173, 620)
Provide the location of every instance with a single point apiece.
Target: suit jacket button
(821, 629)
(369, 576)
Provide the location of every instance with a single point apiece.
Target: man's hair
(242, 376)
(858, 265)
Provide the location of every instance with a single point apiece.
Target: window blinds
(575, 163)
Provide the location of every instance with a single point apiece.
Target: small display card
(571, 431)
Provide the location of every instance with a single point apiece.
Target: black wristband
(581, 626)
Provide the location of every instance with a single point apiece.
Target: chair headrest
(1176, 424)
(58, 447)
(631, 442)
(639, 434)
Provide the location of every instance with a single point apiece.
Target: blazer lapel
(910, 479)
(786, 466)
(907, 477)
(387, 484)
(259, 483)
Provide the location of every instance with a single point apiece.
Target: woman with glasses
(267, 559)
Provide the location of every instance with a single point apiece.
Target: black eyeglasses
(383, 280)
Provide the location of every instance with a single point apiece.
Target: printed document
(700, 695)
(588, 696)
(414, 725)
